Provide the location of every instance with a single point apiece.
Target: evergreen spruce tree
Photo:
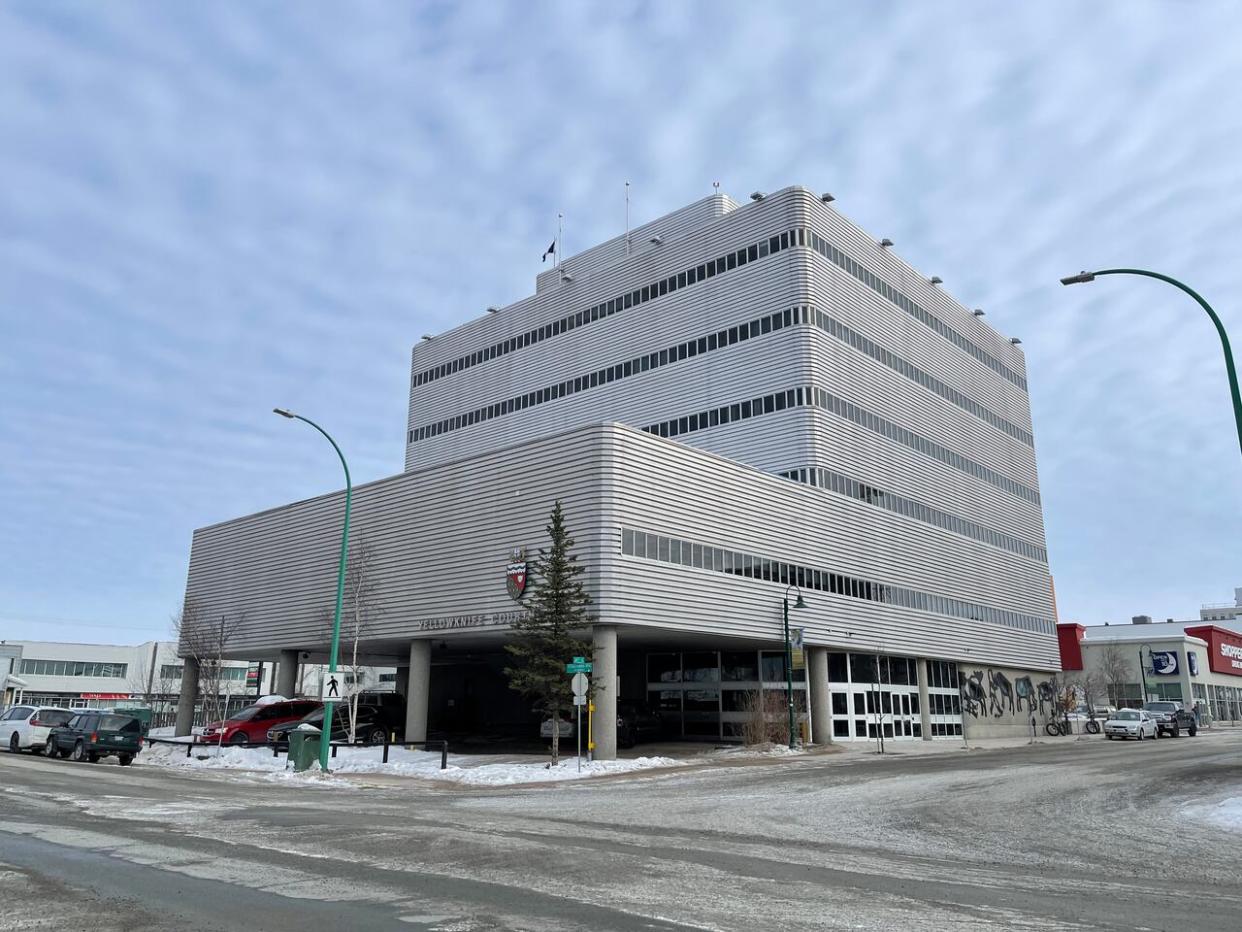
(542, 639)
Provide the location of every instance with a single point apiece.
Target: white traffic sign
(335, 687)
(579, 700)
(580, 683)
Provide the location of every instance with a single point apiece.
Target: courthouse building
(735, 403)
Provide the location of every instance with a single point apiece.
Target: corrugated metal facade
(484, 482)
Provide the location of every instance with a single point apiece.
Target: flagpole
(627, 218)
(558, 239)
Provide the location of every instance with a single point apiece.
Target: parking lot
(1065, 834)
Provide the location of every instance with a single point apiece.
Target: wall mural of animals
(992, 694)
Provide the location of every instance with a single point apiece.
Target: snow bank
(474, 770)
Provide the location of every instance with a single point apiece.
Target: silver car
(26, 727)
(1130, 723)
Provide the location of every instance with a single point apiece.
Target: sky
(208, 210)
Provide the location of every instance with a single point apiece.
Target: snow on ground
(1226, 814)
(474, 770)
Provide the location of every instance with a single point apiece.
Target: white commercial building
(735, 403)
(104, 675)
(1197, 663)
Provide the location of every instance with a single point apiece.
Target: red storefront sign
(105, 695)
(1224, 648)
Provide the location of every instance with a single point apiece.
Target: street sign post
(579, 684)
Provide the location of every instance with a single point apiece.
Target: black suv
(1171, 718)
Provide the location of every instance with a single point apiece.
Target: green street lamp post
(326, 738)
(1083, 277)
(789, 658)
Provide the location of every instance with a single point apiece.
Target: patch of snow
(470, 770)
(268, 700)
(1226, 814)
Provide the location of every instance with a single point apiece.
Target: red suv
(250, 725)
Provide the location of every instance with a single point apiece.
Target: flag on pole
(550, 251)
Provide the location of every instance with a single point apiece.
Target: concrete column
(287, 674)
(604, 669)
(418, 694)
(821, 703)
(189, 696)
(920, 665)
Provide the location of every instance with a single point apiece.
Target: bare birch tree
(362, 606)
(206, 639)
(1115, 670)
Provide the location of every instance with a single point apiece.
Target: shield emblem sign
(515, 575)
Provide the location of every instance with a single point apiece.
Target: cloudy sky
(210, 209)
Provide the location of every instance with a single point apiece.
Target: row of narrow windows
(810, 396)
(637, 543)
(799, 236)
(911, 307)
(645, 363)
(844, 485)
(915, 374)
(656, 289)
(800, 314)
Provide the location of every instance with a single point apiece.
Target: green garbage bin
(304, 747)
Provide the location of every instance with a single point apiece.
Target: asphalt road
(1064, 835)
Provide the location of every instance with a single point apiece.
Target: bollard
(444, 755)
(385, 747)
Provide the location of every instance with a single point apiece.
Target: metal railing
(279, 746)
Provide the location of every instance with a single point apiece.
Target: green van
(93, 734)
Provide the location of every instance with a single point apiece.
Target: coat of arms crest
(515, 574)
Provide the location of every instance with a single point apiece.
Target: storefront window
(701, 667)
(863, 668)
(739, 666)
(663, 668)
(837, 669)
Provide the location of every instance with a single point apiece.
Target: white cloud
(212, 210)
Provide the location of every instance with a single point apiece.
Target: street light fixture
(1083, 277)
(326, 738)
(789, 657)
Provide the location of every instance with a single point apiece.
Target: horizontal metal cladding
(747, 363)
(848, 448)
(812, 396)
(648, 594)
(764, 514)
(857, 378)
(714, 341)
(440, 540)
(675, 491)
(652, 290)
(590, 377)
(863, 344)
(811, 576)
(834, 482)
(850, 302)
(880, 286)
(887, 263)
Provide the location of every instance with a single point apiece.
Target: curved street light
(1084, 277)
(326, 739)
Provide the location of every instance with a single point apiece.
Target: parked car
(636, 724)
(27, 726)
(1171, 718)
(389, 709)
(370, 728)
(93, 734)
(566, 729)
(1130, 723)
(251, 724)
